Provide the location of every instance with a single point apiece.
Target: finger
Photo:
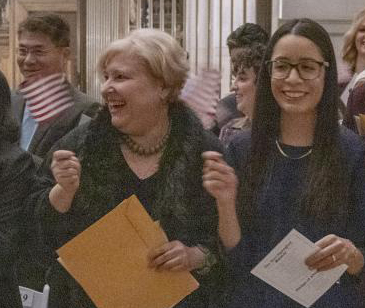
(179, 268)
(161, 259)
(62, 154)
(67, 164)
(334, 248)
(212, 155)
(66, 173)
(323, 263)
(221, 166)
(325, 246)
(218, 176)
(154, 253)
(326, 241)
(170, 264)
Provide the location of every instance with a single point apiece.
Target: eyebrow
(32, 46)
(116, 71)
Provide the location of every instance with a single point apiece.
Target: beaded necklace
(142, 151)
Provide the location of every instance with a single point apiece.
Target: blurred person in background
(246, 66)
(353, 96)
(248, 36)
(46, 105)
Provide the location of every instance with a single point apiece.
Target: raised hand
(66, 170)
(221, 182)
(219, 179)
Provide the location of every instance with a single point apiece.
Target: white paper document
(284, 269)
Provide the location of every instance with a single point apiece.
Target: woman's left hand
(175, 256)
(334, 251)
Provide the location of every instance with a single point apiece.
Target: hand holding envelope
(110, 261)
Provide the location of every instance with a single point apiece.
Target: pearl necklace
(142, 151)
(287, 156)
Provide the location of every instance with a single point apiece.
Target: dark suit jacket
(16, 183)
(51, 131)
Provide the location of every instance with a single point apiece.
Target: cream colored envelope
(109, 260)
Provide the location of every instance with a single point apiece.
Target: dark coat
(16, 180)
(49, 132)
(185, 210)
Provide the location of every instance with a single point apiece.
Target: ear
(164, 93)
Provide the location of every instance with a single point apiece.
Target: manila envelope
(109, 260)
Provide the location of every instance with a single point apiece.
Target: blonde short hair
(349, 51)
(160, 52)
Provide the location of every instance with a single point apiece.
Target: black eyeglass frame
(269, 63)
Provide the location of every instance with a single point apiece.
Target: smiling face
(38, 57)
(360, 40)
(293, 94)
(244, 86)
(133, 96)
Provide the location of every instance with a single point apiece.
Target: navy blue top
(277, 213)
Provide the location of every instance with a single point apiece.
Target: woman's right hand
(219, 179)
(66, 170)
(221, 182)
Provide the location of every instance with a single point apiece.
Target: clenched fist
(66, 170)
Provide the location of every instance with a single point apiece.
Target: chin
(118, 124)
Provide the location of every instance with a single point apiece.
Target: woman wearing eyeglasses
(296, 169)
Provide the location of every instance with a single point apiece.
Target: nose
(293, 75)
(107, 87)
(29, 58)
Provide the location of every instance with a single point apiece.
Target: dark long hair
(8, 128)
(325, 191)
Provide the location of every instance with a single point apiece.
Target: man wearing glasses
(46, 105)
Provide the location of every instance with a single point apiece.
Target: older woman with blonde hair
(354, 55)
(143, 142)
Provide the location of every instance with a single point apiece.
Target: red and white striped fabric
(201, 94)
(47, 97)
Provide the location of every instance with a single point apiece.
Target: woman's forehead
(124, 62)
(296, 47)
